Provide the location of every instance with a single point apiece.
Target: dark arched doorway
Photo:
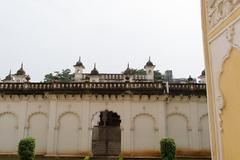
(106, 135)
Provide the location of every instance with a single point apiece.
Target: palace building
(104, 114)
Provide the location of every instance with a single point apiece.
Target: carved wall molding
(218, 10)
(230, 34)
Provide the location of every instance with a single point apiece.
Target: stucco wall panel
(144, 133)
(68, 121)
(8, 132)
(38, 128)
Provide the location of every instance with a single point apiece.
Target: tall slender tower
(149, 68)
(79, 67)
(20, 76)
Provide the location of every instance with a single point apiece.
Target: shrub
(86, 158)
(26, 149)
(168, 148)
(120, 158)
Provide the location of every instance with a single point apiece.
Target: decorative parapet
(148, 88)
(190, 89)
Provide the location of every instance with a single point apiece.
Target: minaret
(128, 70)
(78, 76)
(20, 76)
(94, 75)
(8, 78)
(128, 74)
(149, 68)
(202, 77)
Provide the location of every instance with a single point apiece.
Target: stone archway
(106, 135)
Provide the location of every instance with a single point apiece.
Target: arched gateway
(106, 136)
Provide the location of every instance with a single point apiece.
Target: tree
(63, 76)
(157, 74)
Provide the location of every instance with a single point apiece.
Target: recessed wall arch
(68, 123)
(10, 113)
(146, 114)
(204, 135)
(8, 132)
(34, 114)
(178, 128)
(66, 113)
(144, 133)
(40, 134)
(183, 115)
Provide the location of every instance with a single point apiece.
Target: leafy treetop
(63, 76)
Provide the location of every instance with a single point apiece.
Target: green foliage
(130, 71)
(26, 149)
(86, 158)
(49, 78)
(64, 76)
(168, 148)
(140, 71)
(120, 158)
(157, 74)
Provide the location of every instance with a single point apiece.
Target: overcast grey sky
(49, 35)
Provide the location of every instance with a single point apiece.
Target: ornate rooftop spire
(21, 71)
(94, 71)
(128, 70)
(149, 63)
(190, 79)
(79, 63)
(9, 77)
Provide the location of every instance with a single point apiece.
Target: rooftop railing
(107, 86)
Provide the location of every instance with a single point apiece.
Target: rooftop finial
(149, 63)
(128, 65)
(10, 72)
(94, 71)
(22, 65)
(79, 63)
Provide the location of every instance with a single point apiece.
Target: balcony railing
(107, 87)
